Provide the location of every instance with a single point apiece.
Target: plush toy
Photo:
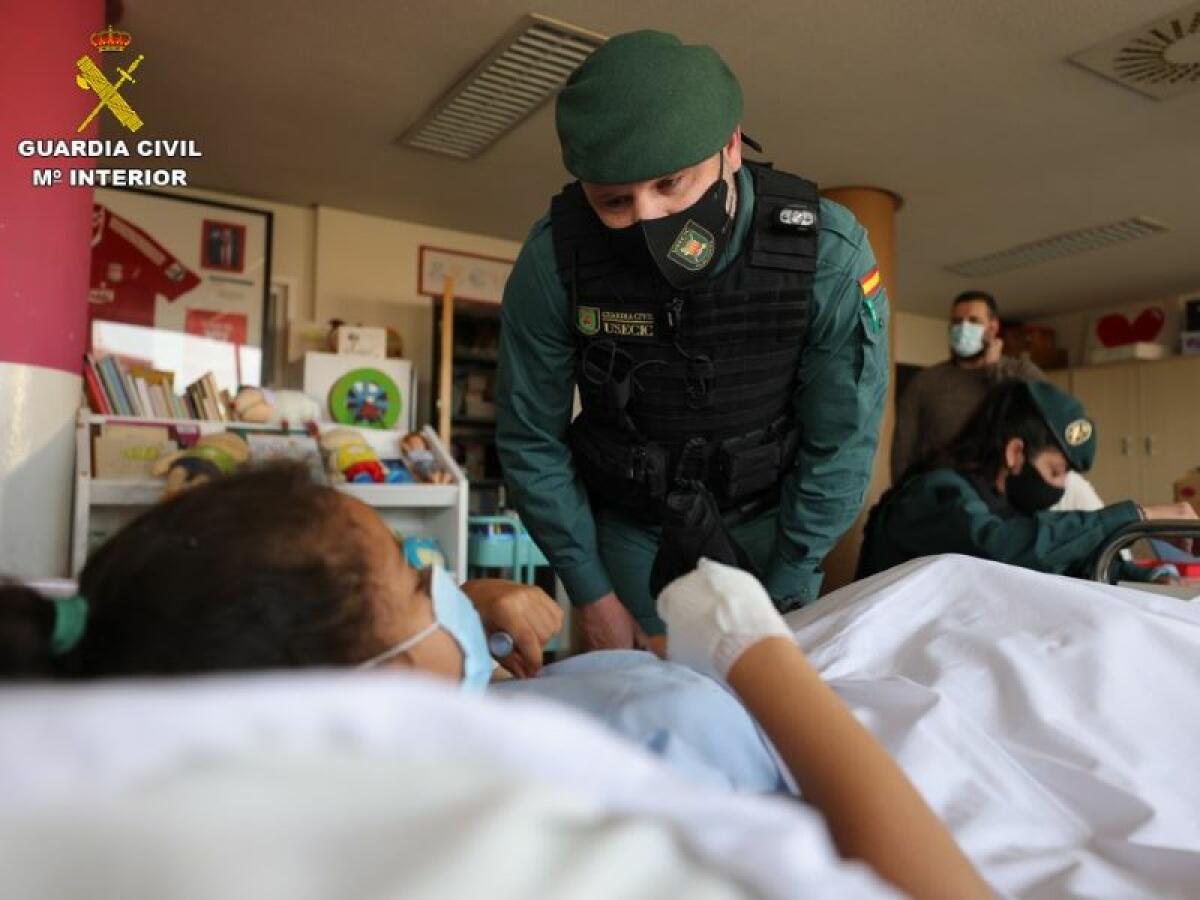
(348, 457)
(270, 407)
(214, 455)
(421, 462)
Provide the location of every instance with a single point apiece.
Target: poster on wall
(476, 278)
(180, 284)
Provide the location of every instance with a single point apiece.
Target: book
(110, 371)
(93, 389)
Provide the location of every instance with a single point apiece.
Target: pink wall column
(45, 237)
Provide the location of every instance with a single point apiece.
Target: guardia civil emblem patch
(587, 319)
(1078, 432)
(693, 247)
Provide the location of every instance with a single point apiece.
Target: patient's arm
(873, 811)
(721, 621)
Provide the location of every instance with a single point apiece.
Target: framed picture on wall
(476, 278)
(181, 284)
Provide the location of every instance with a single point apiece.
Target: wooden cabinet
(1148, 430)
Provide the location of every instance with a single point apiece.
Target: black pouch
(692, 528)
(631, 477)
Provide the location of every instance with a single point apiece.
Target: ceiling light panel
(1058, 246)
(522, 71)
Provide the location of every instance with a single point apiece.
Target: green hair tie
(70, 621)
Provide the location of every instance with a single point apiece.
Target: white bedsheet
(1053, 723)
(343, 786)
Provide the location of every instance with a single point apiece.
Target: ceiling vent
(521, 72)
(1161, 59)
(1058, 246)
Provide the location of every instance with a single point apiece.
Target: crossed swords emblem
(91, 78)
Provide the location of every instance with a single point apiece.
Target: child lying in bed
(266, 570)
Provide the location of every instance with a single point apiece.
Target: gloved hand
(714, 614)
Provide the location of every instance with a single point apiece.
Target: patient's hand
(1176, 512)
(525, 613)
(714, 614)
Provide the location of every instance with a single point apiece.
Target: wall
(920, 340)
(366, 271)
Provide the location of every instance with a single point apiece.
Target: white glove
(714, 614)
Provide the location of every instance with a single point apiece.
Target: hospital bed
(1155, 531)
(1049, 721)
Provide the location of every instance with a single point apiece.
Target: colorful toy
(270, 407)
(214, 455)
(348, 457)
(421, 462)
(366, 397)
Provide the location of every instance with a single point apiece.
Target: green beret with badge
(643, 105)
(1068, 422)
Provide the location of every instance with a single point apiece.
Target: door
(1169, 441)
(1110, 396)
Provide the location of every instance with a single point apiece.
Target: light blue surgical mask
(966, 338)
(454, 613)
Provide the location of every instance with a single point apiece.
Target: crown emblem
(111, 41)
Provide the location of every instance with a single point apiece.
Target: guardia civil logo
(108, 93)
(692, 247)
(587, 320)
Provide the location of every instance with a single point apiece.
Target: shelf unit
(465, 346)
(102, 506)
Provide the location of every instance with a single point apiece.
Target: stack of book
(113, 388)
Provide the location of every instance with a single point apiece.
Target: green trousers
(628, 548)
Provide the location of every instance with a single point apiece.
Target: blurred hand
(1176, 512)
(525, 613)
(716, 613)
(607, 625)
(994, 350)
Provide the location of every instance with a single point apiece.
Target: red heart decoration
(1114, 330)
(1149, 323)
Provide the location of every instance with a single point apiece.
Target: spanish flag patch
(870, 282)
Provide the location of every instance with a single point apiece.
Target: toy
(414, 449)
(366, 397)
(214, 455)
(421, 552)
(269, 407)
(348, 457)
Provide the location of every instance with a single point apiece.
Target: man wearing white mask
(940, 399)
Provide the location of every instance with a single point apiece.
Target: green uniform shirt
(841, 389)
(945, 512)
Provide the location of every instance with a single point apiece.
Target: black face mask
(1029, 492)
(684, 245)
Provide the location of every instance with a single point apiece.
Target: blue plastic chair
(501, 542)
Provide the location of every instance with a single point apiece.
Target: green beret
(1068, 422)
(644, 105)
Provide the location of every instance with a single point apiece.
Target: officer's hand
(994, 350)
(606, 624)
(714, 614)
(525, 613)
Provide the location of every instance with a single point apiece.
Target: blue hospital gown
(690, 721)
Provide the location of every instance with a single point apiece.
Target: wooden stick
(446, 371)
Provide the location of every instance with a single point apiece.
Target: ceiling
(967, 109)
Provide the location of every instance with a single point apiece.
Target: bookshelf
(102, 506)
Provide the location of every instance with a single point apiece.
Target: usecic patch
(693, 247)
(627, 324)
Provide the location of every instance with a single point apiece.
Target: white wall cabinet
(1147, 418)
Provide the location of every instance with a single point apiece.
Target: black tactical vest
(689, 385)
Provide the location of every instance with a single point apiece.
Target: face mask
(453, 612)
(1029, 492)
(684, 245)
(966, 339)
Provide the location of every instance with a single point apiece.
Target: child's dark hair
(259, 570)
(1007, 412)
